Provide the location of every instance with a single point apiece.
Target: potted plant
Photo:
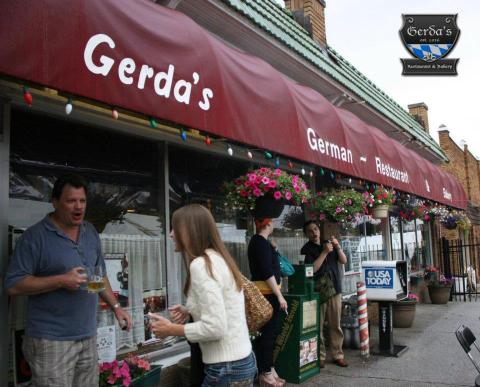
(265, 191)
(133, 372)
(340, 206)
(439, 289)
(404, 311)
(380, 200)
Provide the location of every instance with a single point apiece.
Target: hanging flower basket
(380, 211)
(340, 206)
(379, 201)
(265, 192)
(267, 207)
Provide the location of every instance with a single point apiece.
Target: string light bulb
(249, 155)
(267, 155)
(290, 164)
(230, 151)
(68, 107)
(114, 114)
(153, 123)
(208, 140)
(27, 97)
(277, 162)
(183, 135)
(303, 171)
(311, 173)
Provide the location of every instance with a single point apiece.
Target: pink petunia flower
(288, 195)
(257, 192)
(252, 177)
(322, 216)
(277, 172)
(265, 180)
(277, 195)
(272, 183)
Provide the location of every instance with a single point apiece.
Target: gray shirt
(44, 250)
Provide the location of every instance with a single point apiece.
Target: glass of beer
(95, 279)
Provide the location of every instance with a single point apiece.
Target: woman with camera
(326, 256)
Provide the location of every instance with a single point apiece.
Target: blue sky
(366, 34)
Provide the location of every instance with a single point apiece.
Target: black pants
(263, 345)
(197, 373)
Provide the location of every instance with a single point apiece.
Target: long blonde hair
(195, 232)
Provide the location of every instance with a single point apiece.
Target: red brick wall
(316, 10)
(472, 174)
(456, 166)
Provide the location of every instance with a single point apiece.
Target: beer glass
(95, 279)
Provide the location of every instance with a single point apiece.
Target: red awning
(143, 57)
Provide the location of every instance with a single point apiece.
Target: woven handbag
(258, 310)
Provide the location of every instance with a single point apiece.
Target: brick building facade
(466, 168)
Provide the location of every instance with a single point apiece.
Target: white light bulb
(311, 173)
(230, 151)
(303, 171)
(68, 108)
(114, 114)
(249, 154)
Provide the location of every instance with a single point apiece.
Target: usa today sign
(379, 278)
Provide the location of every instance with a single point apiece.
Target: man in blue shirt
(49, 265)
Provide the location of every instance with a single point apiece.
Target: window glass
(371, 244)
(125, 203)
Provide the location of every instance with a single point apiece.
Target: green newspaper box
(296, 351)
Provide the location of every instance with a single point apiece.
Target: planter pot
(150, 379)
(404, 313)
(267, 207)
(439, 294)
(380, 211)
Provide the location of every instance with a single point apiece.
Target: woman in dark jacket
(265, 270)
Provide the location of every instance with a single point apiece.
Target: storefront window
(192, 180)
(197, 177)
(371, 246)
(125, 204)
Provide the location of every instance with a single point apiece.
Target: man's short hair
(308, 223)
(73, 179)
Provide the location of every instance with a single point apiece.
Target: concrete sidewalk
(434, 356)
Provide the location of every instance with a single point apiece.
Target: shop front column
(4, 184)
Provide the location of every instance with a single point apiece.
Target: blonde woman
(214, 299)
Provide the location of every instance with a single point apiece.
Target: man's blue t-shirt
(44, 250)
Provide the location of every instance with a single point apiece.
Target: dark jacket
(329, 267)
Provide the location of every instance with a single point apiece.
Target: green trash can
(296, 351)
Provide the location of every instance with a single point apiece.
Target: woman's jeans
(239, 373)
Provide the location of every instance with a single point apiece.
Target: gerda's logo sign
(429, 38)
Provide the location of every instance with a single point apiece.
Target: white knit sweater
(218, 311)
